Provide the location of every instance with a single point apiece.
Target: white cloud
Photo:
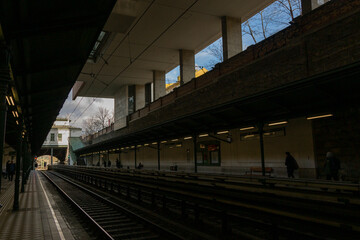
(83, 107)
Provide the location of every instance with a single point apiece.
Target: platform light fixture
(222, 132)
(175, 140)
(154, 143)
(178, 145)
(122, 148)
(12, 101)
(164, 141)
(249, 136)
(187, 138)
(7, 99)
(204, 135)
(17, 122)
(246, 128)
(277, 123)
(320, 116)
(146, 144)
(132, 146)
(13, 112)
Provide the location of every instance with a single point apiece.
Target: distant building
(171, 86)
(56, 143)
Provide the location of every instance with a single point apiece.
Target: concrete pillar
(140, 97)
(187, 65)
(17, 172)
(159, 84)
(52, 154)
(231, 36)
(121, 107)
(309, 5)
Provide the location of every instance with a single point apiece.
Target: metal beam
(195, 152)
(261, 135)
(158, 154)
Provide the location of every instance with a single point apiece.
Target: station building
(56, 147)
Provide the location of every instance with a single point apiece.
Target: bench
(268, 170)
(173, 168)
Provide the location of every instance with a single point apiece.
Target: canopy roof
(50, 42)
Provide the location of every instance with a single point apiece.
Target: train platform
(37, 217)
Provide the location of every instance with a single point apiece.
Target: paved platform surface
(36, 218)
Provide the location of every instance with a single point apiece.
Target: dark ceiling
(50, 42)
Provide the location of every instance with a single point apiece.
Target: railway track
(109, 219)
(240, 213)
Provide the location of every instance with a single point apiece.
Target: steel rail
(129, 213)
(287, 190)
(100, 229)
(223, 200)
(306, 183)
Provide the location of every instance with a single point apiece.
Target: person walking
(331, 166)
(291, 165)
(11, 170)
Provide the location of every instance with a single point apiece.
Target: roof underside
(50, 42)
(150, 36)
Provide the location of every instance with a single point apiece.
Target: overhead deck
(151, 37)
(314, 73)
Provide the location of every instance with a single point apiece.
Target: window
(147, 94)
(60, 137)
(208, 153)
(52, 137)
(131, 99)
(99, 44)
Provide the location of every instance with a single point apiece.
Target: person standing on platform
(118, 164)
(331, 167)
(109, 163)
(11, 170)
(7, 169)
(291, 165)
(140, 166)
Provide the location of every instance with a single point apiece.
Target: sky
(84, 107)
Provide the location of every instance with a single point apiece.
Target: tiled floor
(35, 219)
